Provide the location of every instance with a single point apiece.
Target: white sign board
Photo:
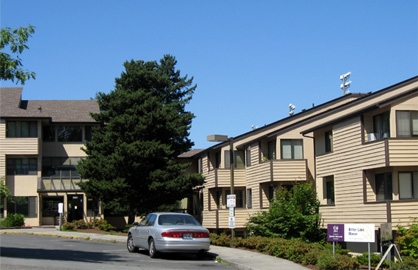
(231, 222)
(359, 233)
(232, 211)
(230, 200)
(60, 208)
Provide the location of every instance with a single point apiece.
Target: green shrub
(407, 264)
(363, 259)
(68, 226)
(408, 240)
(103, 225)
(80, 224)
(13, 220)
(292, 214)
(327, 261)
(220, 239)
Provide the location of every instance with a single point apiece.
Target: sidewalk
(237, 258)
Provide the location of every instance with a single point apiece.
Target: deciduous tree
(15, 40)
(131, 160)
(293, 213)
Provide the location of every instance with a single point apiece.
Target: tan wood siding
(354, 213)
(403, 152)
(289, 170)
(345, 163)
(209, 219)
(403, 212)
(20, 146)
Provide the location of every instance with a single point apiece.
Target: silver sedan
(168, 233)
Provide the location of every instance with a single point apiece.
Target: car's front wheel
(130, 244)
(153, 253)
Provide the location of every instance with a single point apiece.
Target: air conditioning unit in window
(371, 137)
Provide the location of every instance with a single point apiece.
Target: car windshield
(173, 219)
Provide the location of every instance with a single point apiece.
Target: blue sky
(249, 59)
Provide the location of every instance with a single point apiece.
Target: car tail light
(179, 234)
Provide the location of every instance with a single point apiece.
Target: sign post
(60, 211)
(231, 203)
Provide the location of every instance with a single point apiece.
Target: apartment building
(360, 149)
(264, 159)
(40, 146)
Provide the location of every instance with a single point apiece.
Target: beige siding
(345, 164)
(403, 212)
(19, 146)
(289, 170)
(403, 152)
(23, 185)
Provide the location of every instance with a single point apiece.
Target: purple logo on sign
(335, 233)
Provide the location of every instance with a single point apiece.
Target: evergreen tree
(131, 160)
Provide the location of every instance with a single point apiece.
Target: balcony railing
(273, 170)
(47, 184)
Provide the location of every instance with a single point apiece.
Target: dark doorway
(50, 208)
(75, 207)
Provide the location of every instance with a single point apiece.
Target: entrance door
(50, 210)
(75, 207)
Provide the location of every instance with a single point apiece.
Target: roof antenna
(291, 108)
(345, 84)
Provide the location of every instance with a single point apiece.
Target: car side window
(151, 220)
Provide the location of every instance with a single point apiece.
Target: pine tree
(131, 160)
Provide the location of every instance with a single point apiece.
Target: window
(239, 197)
(22, 129)
(249, 198)
(218, 160)
(328, 141)
(407, 123)
(22, 166)
(239, 159)
(248, 157)
(22, 205)
(271, 151)
(381, 125)
(60, 166)
(50, 206)
(88, 131)
(69, 134)
(292, 149)
(383, 183)
(219, 196)
(408, 185)
(48, 133)
(200, 165)
(329, 194)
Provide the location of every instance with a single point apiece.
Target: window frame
(21, 129)
(292, 148)
(412, 124)
(385, 181)
(381, 125)
(70, 133)
(412, 185)
(25, 165)
(329, 191)
(329, 147)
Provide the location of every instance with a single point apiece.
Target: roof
(191, 153)
(74, 111)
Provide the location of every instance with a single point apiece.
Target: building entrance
(75, 207)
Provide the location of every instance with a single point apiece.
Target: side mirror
(135, 223)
